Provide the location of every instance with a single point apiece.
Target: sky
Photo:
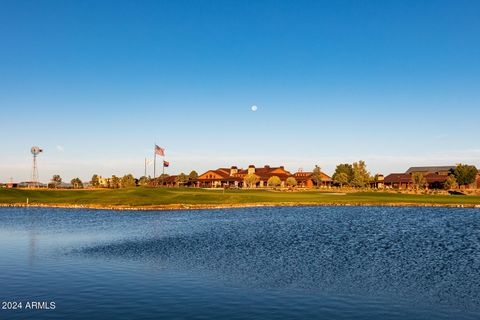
(97, 83)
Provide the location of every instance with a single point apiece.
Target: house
(378, 181)
(305, 179)
(166, 181)
(435, 177)
(103, 182)
(221, 177)
(233, 177)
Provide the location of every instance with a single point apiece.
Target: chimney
(267, 166)
(251, 169)
(233, 170)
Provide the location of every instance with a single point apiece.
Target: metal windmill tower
(35, 152)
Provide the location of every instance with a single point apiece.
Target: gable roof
(407, 178)
(303, 176)
(430, 169)
(218, 173)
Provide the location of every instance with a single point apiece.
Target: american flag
(159, 151)
(166, 163)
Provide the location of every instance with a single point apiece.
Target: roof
(430, 169)
(407, 178)
(304, 176)
(398, 177)
(264, 173)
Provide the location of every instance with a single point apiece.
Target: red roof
(264, 173)
(304, 176)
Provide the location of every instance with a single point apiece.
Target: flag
(166, 163)
(159, 151)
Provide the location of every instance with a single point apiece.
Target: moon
(254, 108)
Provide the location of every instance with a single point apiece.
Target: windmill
(35, 152)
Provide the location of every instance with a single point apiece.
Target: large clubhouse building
(234, 177)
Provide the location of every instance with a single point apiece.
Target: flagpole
(145, 174)
(163, 168)
(154, 162)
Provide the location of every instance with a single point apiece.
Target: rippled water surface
(265, 263)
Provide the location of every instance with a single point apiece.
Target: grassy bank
(164, 197)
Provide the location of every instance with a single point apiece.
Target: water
(264, 263)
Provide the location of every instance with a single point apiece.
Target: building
(305, 179)
(435, 177)
(165, 181)
(440, 170)
(234, 177)
(103, 182)
(378, 181)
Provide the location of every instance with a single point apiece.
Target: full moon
(254, 108)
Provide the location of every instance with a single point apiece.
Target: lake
(252, 263)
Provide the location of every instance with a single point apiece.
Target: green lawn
(185, 196)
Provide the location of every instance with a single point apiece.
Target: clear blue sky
(96, 83)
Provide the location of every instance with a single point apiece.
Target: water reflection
(431, 262)
(348, 263)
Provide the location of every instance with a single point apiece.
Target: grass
(144, 197)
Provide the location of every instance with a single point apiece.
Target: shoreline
(174, 207)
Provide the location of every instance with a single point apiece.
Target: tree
(465, 174)
(343, 174)
(158, 181)
(317, 176)
(450, 183)
(114, 182)
(76, 183)
(143, 181)
(361, 177)
(95, 181)
(193, 175)
(274, 181)
(128, 181)
(418, 180)
(291, 182)
(181, 179)
(341, 178)
(56, 181)
(250, 180)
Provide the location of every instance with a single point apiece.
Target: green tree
(465, 174)
(193, 175)
(143, 181)
(341, 178)
(114, 182)
(450, 183)
(418, 180)
(250, 180)
(181, 179)
(76, 183)
(346, 172)
(127, 181)
(291, 182)
(361, 177)
(55, 182)
(317, 176)
(274, 181)
(95, 181)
